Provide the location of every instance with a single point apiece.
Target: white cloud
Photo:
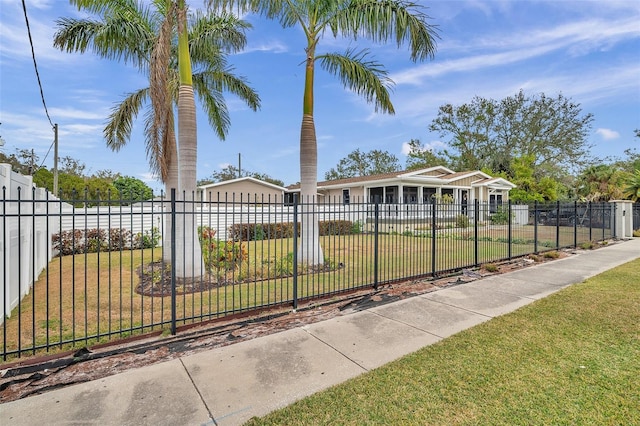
(577, 38)
(608, 134)
(269, 47)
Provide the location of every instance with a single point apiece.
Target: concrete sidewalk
(229, 385)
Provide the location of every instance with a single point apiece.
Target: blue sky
(587, 50)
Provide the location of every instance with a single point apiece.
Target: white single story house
(414, 187)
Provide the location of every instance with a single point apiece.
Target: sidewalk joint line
(335, 349)
(198, 391)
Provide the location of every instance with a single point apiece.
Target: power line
(35, 65)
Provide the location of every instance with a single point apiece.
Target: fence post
(295, 252)
(614, 232)
(602, 214)
(173, 261)
(536, 216)
(575, 224)
(476, 217)
(433, 236)
(509, 229)
(590, 207)
(557, 224)
(376, 233)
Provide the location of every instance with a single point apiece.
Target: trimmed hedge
(268, 231)
(93, 240)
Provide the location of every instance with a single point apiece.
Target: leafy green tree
(43, 178)
(421, 157)
(71, 166)
(490, 134)
(132, 189)
(266, 178)
(529, 187)
(23, 161)
(231, 172)
(377, 20)
(359, 163)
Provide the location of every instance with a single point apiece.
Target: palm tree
(632, 186)
(377, 20)
(145, 36)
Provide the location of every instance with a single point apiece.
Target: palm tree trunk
(171, 182)
(309, 249)
(189, 253)
(189, 262)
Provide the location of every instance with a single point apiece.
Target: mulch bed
(155, 279)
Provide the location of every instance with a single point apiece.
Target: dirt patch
(38, 375)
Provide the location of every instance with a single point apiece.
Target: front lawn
(572, 358)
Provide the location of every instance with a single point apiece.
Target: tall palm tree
(377, 20)
(145, 36)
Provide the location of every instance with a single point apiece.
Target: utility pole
(31, 166)
(239, 165)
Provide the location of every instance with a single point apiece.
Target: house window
(391, 194)
(345, 196)
(428, 194)
(495, 201)
(447, 194)
(290, 198)
(410, 194)
(376, 195)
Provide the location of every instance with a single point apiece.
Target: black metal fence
(116, 269)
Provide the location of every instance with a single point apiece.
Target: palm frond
(118, 129)
(215, 33)
(381, 21)
(214, 106)
(124, 32)
(365, 77)
(210, 85)
(161, 99)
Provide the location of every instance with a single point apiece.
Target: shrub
(551, 254)
(283, 266)
(462, 221)
(149, 239)
(587, 245)
(636, 233)
(94, 240)
(119, 239)
(501, 216)
(220, 255)
(259, 231)
(68, 242)
(490, 267)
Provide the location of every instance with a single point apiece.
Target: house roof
(242, 179)
(442, 175)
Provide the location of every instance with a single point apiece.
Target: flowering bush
(220, 255)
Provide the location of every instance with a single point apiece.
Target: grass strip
(572, 358)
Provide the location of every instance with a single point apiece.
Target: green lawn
(91, 298)
(572, 358)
